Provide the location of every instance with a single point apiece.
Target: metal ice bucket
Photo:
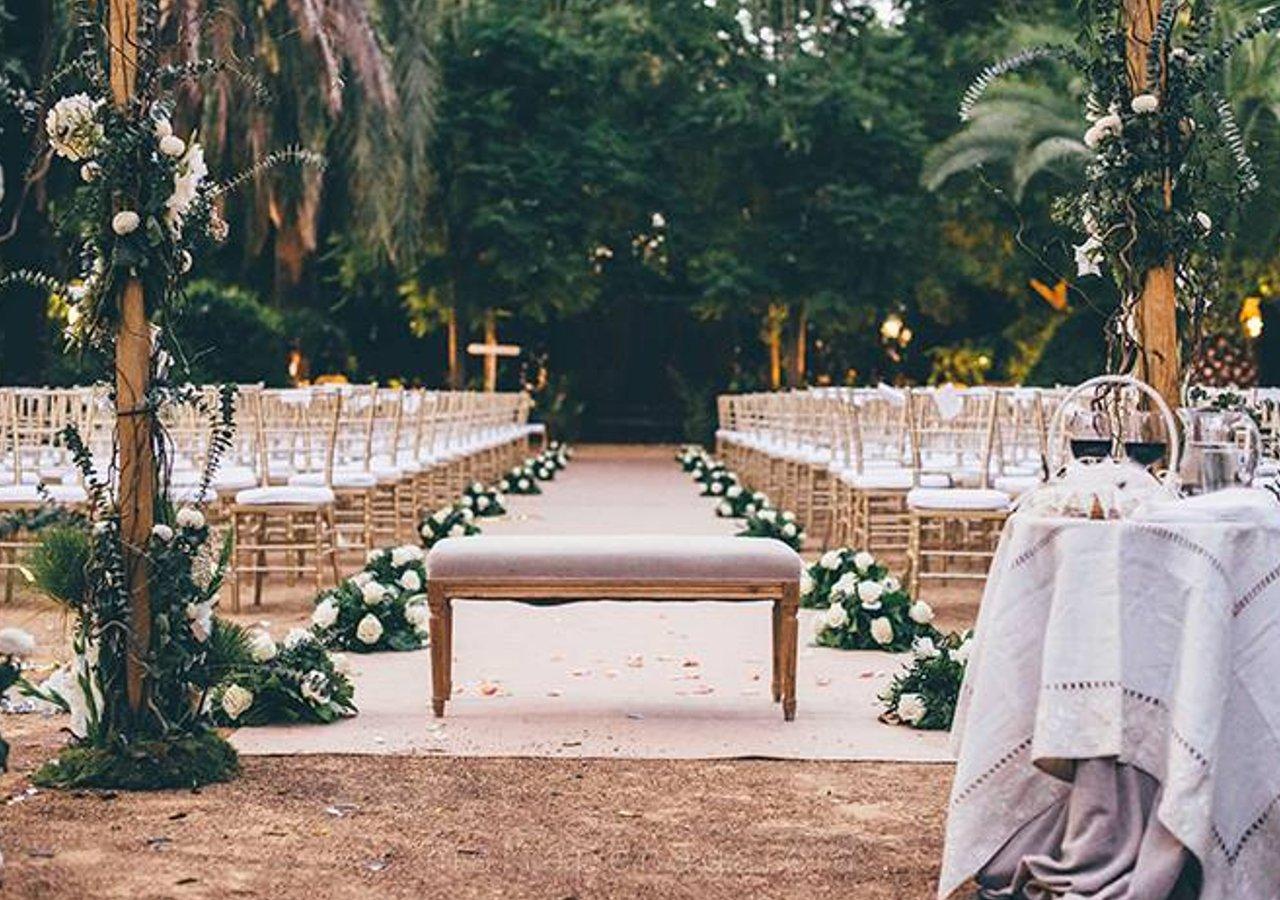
(1220, 449)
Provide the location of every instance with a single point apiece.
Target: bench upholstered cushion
(627, 558)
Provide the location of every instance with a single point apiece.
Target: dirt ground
(480, 828)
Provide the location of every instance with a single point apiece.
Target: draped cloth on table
(1150, 647)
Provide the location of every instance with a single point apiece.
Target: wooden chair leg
(777, 651)
(235, 562)
(436, 602)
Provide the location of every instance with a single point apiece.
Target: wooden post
(455, 363)
(491, 360)
(137, 464)
(1157, 310)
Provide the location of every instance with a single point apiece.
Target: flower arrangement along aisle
(382, 607)
(739, 503)
(542, 468)
(691, 457)
(446, 522)
(15, 646)
(924, 695)
(865, 607)
(770, 523)
(559, 453)
(485, 502)
(297, 680)
(520, 481)
(717, 481)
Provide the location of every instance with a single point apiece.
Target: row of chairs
(923, 475)
(310, 473)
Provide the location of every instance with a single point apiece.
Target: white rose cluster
(73, 128)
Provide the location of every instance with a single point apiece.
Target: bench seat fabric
(644, 558)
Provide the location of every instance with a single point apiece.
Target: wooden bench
(559, 569)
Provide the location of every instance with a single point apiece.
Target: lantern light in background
(1251, 317)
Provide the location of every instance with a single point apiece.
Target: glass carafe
(1220, 449)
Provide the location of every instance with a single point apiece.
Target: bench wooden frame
(441, 593)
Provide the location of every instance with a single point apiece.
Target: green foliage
(864, 607)
(778, 525)
(925, 693)
(60, 563)
(298, 682)
(186, 761)
(228, 335)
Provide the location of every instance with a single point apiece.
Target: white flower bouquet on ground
(924, 694)
(691, 456)
(559, 453)
(864, 607)
(522, 480)
(382, 607)
(717, 481)
(446, 522)
(543, 468)
(15, 646)
(485, 502)
(297, 680)
(771, 523)
(739, 503)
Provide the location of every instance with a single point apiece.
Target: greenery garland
(382, 607)
(925, 693)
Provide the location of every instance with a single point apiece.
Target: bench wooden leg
(777, 651)
(440, 625)
(790, 648)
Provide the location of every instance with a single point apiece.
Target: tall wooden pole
(137, 464)
(1157, 310)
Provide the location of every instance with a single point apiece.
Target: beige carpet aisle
(609, 679)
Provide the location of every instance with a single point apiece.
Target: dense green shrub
(228, 335)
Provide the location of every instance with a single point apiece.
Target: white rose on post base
(369, 631)
(911, 709)
(882, 630)
(236, 701)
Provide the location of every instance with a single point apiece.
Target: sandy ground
(339, 826)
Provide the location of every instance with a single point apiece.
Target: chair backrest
(953, 432)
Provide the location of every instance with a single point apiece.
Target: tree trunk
(774, 318)
(455, 361)
(133, 372)
(1157, 311)
(800, 357)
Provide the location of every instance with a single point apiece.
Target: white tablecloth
(1157, 644)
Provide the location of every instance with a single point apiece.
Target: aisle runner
(634, 680)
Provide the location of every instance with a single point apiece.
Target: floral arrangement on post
(485, 502)
(297, 680)
(382, 607)
(1168, 164)
(15, 646)
(925, 694)
(521, 480)
(770, 523)
(738, 502)
(145, 209)
(865, 607)
(446, 522)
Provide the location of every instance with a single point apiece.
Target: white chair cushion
(1016, 484)
(190, 493)
(235, 478)
(284, 495)
(626, 558)
(30, 493)
(973, 499)
(342, 478)
(892, 480)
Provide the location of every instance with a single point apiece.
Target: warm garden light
(1251, 316)
(892, 327)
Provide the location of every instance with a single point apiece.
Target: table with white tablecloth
(1139, 661)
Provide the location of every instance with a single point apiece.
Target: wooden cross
(491, 350)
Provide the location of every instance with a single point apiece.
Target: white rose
(504, 485)
(262, 648)
(369, 631)
(751, 509)
(315, 687)
(468, 516)
(440, 516)
(410, 580)
(846, 585)
(297, 637)
(806, 583)
(768, 515)
(236, 701)
(325, 614)
(830, 560)
(400, 556)
(523, 484)
(360, 579)
(789, 530)
(724, 508)
(717, 488)
(372, 557)
(16, 642)
(372, 593)
(499, 500)
(836, 616)
(734, 492)
(921, 613)
(417, 615)
(467, 501)
(869, 592)
(482, 503)
(200, 617)
(187, 177)
(341, 664)
(90, 171)
(457, 531)
(1203, 220)
(961, 653)
(1144, 104)
(882, 630)
(189, 517)
(788, 516)
(172, 145)
(925, 648)
(72, 127)
(125, 222)
(162, 532)
(863, 561)
(911, 708)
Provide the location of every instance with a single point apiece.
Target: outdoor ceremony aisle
(610, 679)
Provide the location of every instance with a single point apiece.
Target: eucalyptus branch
(298, 155)
(978, 87)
